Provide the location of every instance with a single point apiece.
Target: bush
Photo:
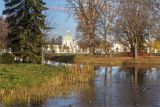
(34, 59)
(28, 57)
(7, 58)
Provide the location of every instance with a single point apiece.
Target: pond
(136, 86)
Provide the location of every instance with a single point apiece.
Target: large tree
(87, 12)
(106, 23)
(26, 22)
(134, 24)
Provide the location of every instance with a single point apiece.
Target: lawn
(21, 75)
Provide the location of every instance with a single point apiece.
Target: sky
(61, 19)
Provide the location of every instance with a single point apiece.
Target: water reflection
(111, 87)
(128, 86)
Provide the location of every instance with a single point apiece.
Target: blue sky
(62, 20)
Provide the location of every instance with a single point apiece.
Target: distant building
(68, 40)
(151, 44)
(117, 47)
(69, 45)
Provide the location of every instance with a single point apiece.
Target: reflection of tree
(56, 40)
(105, 84)
(137, 74)
(131, 73)
(129, 83)
(133, 85)
(37, 103)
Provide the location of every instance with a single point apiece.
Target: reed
(59, 84)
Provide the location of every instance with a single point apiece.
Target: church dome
(68, 37)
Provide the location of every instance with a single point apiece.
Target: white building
(68, 40)
(117, 47)
(69, 45)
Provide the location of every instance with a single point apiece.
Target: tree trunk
(132, 51)
(91, 51)
(110, 46)
(110, 54)
(42, 56)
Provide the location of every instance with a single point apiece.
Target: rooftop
(68, 36)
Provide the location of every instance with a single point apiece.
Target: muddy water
(111, 87)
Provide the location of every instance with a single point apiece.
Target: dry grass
(72, 78)
(117, 60)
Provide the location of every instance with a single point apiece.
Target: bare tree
(57, 39)
(156, 6)
(133, 24)
(87, 12)
(156, 14)
(106, 24)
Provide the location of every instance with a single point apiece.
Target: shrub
(28, 57)
(34, 59)
(7, 58)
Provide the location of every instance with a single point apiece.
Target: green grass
(21, 75)
(20, 83)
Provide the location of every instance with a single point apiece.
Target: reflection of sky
(117, 90)
(113, 91)
(144, 75)
(68, 102)
(153, 74)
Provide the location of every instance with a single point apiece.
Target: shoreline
(106, 60)
(21, 83)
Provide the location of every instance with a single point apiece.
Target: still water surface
(112, 87)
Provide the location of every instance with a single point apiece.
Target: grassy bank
(25, 83)
(21, 75)
(98, 59)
